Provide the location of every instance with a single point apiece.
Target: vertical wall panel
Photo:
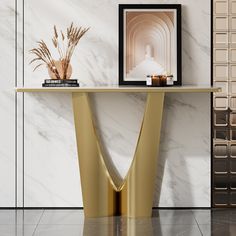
(224, 66)
(7, 104)
(51, 176)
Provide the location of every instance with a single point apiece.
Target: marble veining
(7, 105)
(51, 166)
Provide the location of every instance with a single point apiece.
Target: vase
(60, 70)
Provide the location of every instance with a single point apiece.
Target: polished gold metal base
(103, 194)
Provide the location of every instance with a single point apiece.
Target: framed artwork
(149, 42)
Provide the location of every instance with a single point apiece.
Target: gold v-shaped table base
(102, 195)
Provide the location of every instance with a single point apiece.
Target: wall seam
(23, 114)
(16, 68)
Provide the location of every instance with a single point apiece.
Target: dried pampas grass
(65, 44)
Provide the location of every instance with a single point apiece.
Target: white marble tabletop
(120, 89)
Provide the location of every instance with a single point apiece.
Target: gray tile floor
(72, 222)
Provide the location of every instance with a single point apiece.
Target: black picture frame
(126, 7)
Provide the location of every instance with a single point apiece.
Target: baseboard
(181, 208)
(41, 208)
(81, 208)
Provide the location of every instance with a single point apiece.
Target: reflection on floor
(220, 222)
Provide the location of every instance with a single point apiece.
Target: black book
(60, 81)
(59, 85)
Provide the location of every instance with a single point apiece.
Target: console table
(103, 194)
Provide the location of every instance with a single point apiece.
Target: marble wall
(7, 104)
(50, 176)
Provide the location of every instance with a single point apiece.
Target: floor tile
(9, 217)
(178, 230)
(215, 222)
(217, 229)
(174, 217)
(153, 226)
(103, 220)
(63, 217)
(72, 217)
(59, 230)
(224, 216)
(202, 216)
(168, 230)
(110, 230)
(17, 230)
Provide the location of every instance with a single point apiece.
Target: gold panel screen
(224, 103)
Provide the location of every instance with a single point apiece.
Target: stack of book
(60, 83)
